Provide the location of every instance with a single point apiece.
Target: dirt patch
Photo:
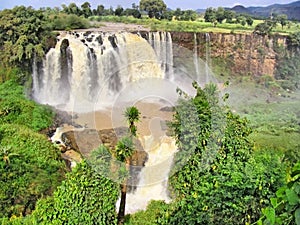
(116, 27)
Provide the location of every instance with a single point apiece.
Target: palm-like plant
(132, 115)
(124, 151)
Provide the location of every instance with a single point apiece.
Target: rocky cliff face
(244, 54)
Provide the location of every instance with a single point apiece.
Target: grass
(192, 26)
(274, 115)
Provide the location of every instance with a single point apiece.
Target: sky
(173, 4)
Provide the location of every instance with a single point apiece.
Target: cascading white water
(196, 58)
(163, 46)
(93, 67)
(88, 70)
(207, 57)
(154, 176)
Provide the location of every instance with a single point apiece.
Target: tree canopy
(154, 8)
(24, 33)
(221, 181)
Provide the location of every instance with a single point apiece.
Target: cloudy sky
(183, 4)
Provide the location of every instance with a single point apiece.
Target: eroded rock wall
(245, 54)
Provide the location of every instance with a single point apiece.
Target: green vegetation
(235, 183)
(64, 21)
(273, 114)
(115, 163)
(17, 109)
(31, 168)
(124, 151)
(285, 207)
(24, 34)
(231, 168)
(224, 179)
(155, 8)
(85, 197)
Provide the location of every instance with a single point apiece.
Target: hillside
(292, 10)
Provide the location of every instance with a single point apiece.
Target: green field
(193, 26)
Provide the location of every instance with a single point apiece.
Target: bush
(30, 168)
(69, 22)
(85, 197)
(15, 108)
(235, 184)
(285, 207)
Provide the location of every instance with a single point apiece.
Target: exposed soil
(116, 27)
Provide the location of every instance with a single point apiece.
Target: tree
(220, 14)
(229, 15)
(132, 12)
(65, 8)
(222, 180)
(178, 13)
(100, 10)
(134, 6)
(168, 15)
(242, 20)
(154, 8)
(282, 19)
(210, 15)
(73, 9)
(86, 9)
(119, 11)
(249, 20)
(24, 34)
(124, 151)
(189, 15)
(264, 28)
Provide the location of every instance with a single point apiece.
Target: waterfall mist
(91, 71)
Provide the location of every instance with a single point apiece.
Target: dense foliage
(220, 179)
(85, 197)
(29, 169)
(235, 184)
(62, 21)
(220, 15)
(24, 33)
(154, 8)
(16, 108)
(285, 207)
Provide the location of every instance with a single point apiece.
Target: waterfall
(207, 57)
(154, 176)
(163, 47)
(91, 68)
(87, 71)
(196, 58)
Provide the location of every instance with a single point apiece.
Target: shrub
(15, 108)
(30, 168)
(85, 197)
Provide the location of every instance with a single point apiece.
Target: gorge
(91, 73)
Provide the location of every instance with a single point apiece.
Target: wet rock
(85, 141)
